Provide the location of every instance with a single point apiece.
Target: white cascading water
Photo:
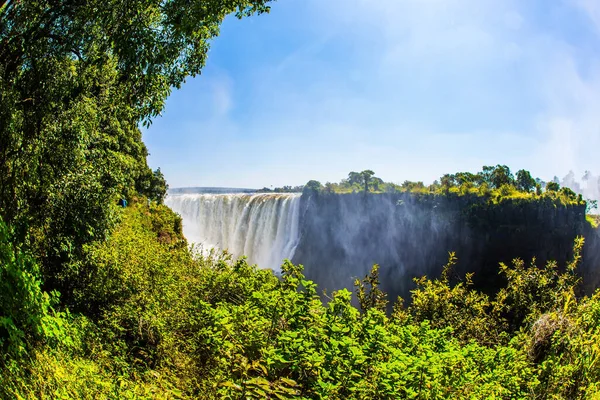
(264, 227)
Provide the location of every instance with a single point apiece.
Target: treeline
(283, 189)
(493, 182)
(489, 178)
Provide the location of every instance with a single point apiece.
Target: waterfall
(263, 227)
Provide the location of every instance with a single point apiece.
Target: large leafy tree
(497, 176)
(77, 78)
(354, 177)
(364, 178)
(525, 181)
(367, 177)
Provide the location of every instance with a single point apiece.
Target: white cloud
(429, 35)
(411, 89)
(570, 124)
(222, 99)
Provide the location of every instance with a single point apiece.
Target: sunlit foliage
(77, 79)
(142, 316)
(494, 184)
(163, 321)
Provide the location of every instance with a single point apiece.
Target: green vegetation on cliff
(594, 220)
(495, 184)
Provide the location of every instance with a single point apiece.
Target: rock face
(408, 235)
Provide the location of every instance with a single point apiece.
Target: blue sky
(411, 89)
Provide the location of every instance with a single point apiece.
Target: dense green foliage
(496, 183)
(107, 302)
(26, 314)
(77, 77)
(168, 323)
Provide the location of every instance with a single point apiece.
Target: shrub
(26, 313)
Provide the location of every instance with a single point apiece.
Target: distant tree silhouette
(367, 177)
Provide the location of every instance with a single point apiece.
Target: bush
(26, 313)
(169, 323)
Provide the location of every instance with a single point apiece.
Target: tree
(377, 183)
(26, 312)
(570, 194)
(153, 185)
(354, 177)
(501, 175)
(312, 186)
(447, 180)
(367, 178)
(77, 78)
(552, 186)
(410, 186)
(486, 174)
(465, 177)
(525, 181)
(329, 187)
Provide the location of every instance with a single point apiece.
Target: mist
(410, 236)
(263, 227)
(587, 185)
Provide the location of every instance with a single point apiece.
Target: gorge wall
(338, 237)
(410, 235)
